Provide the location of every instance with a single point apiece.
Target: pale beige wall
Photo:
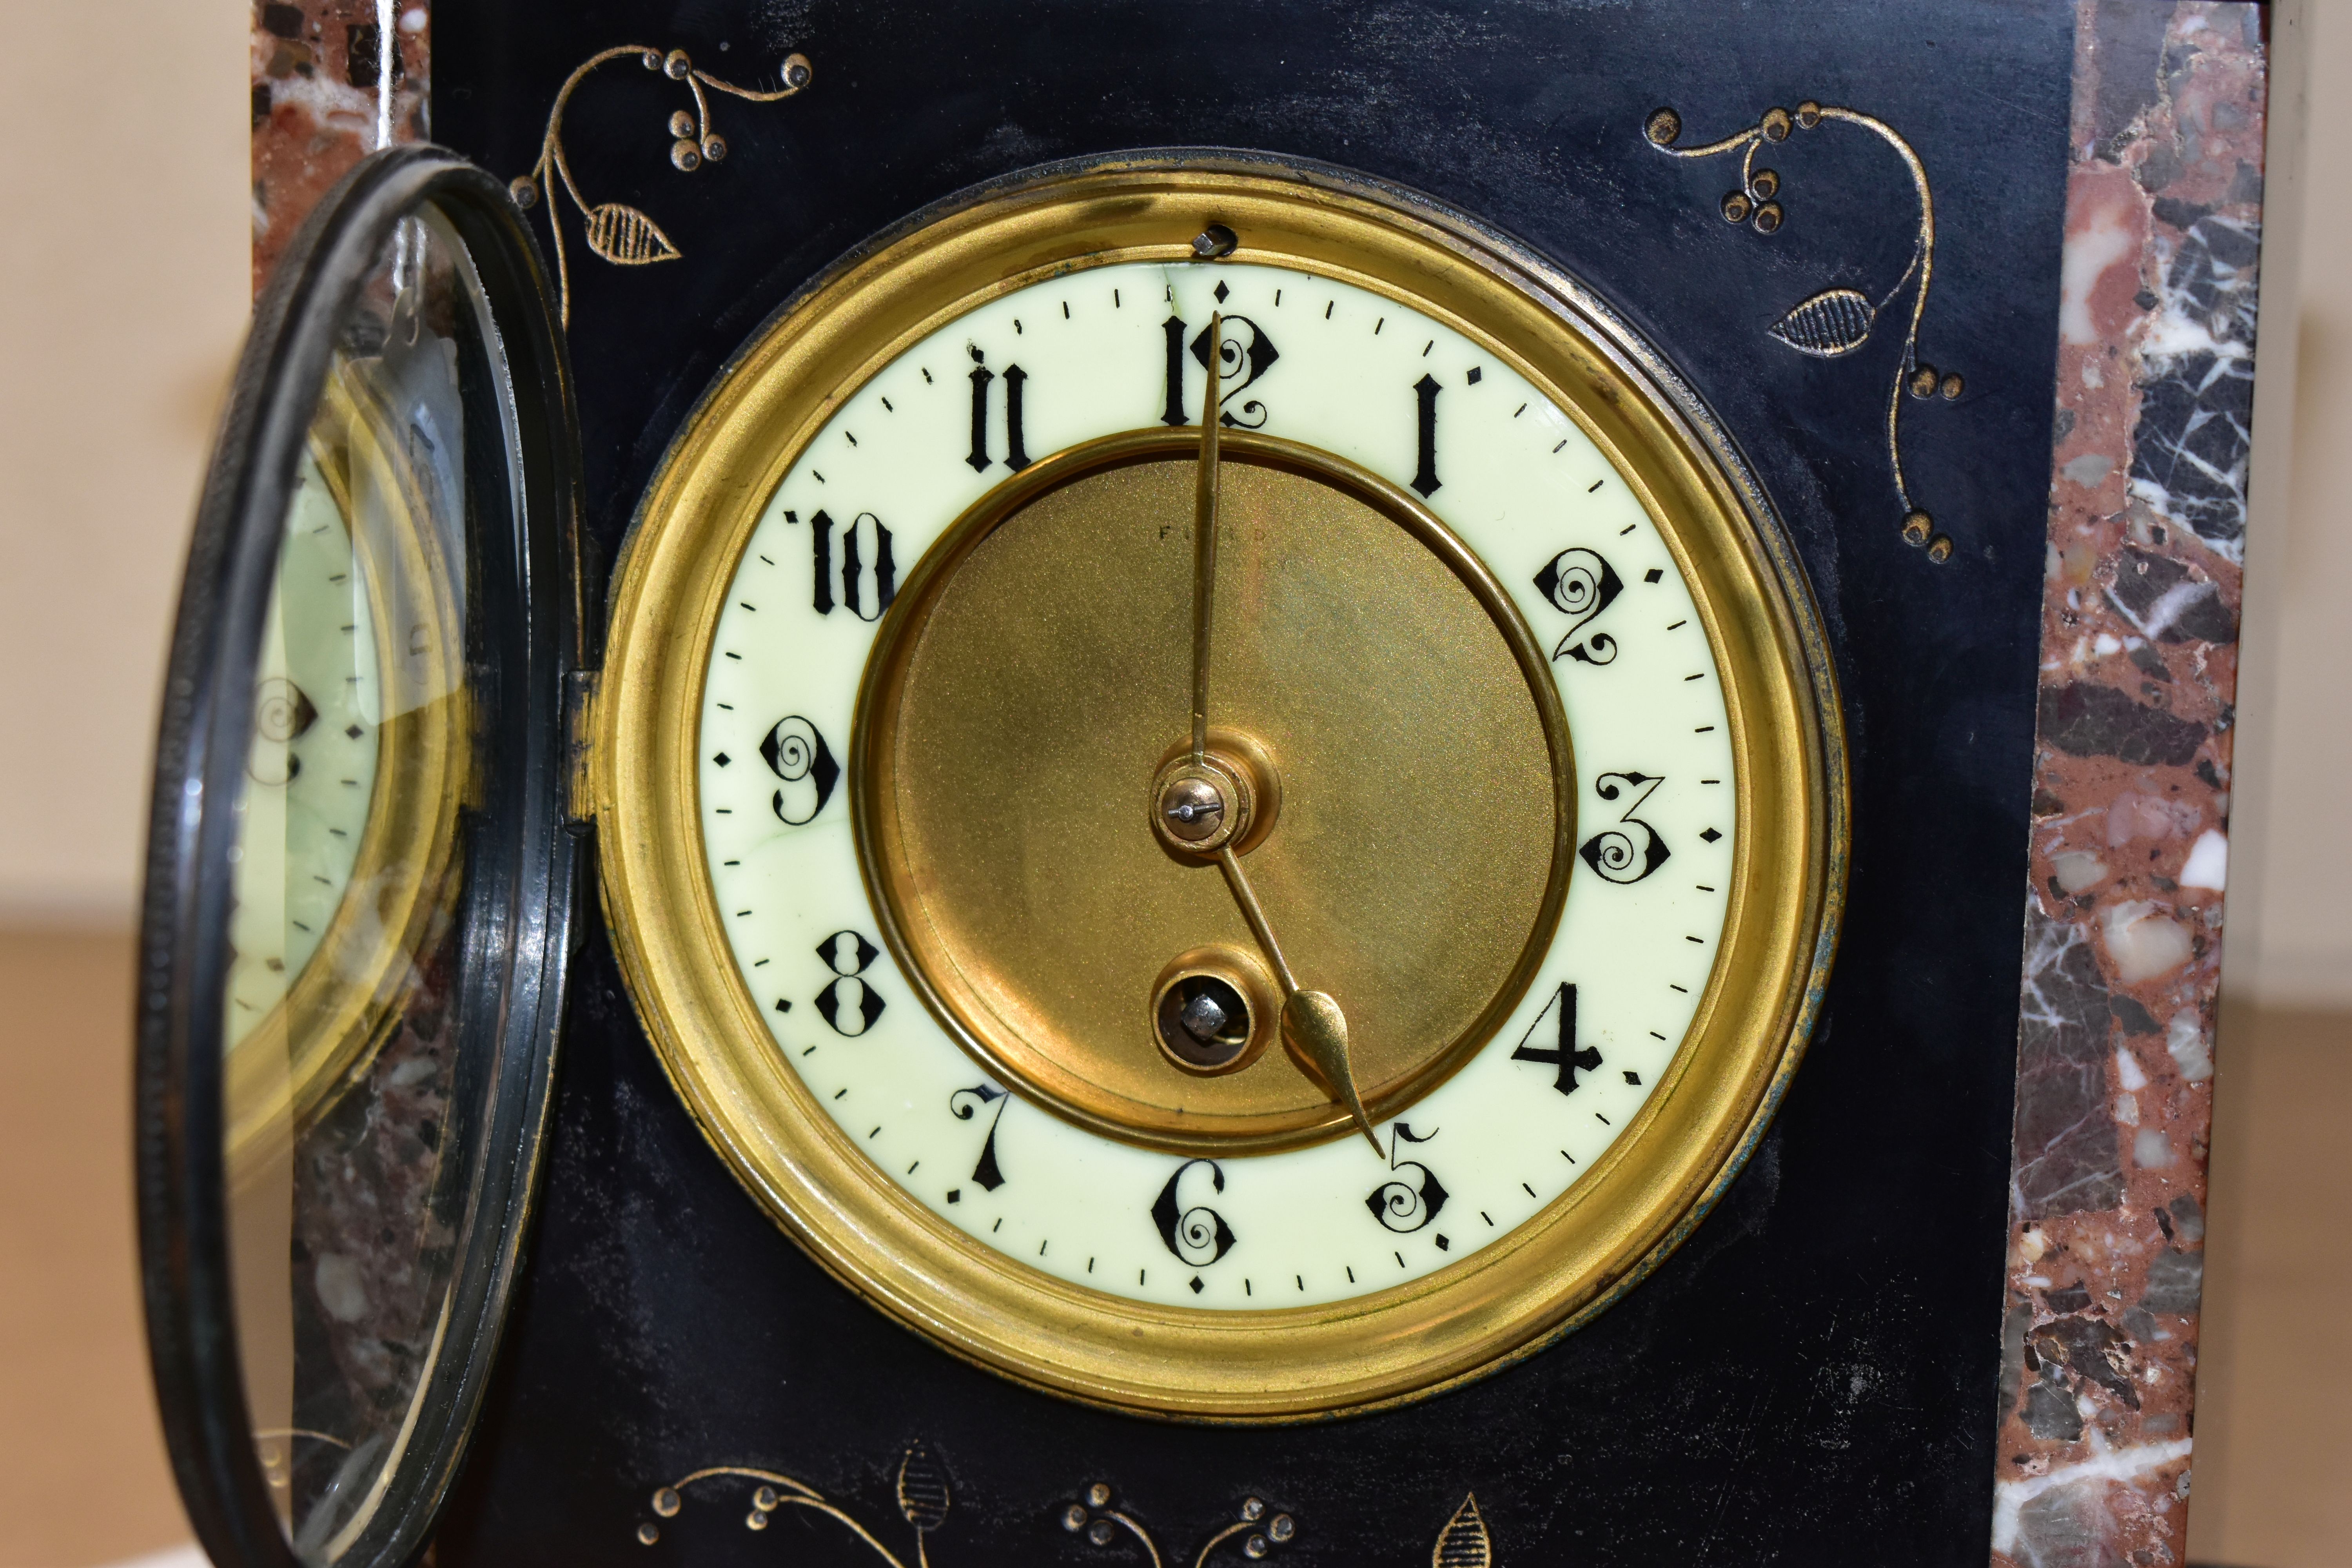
(2290, 940)
(123, 290)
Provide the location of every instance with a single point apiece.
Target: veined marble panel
(331, 84)
(2131, 803)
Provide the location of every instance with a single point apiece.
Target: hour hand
(1313, 1029)
(1315, 1033)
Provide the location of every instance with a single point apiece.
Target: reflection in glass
(348, 1143)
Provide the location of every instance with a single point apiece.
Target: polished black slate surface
(1811, 1378)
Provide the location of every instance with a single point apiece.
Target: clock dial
(345, 861)
(1245, 928)
(311, 774)
(1410, 862)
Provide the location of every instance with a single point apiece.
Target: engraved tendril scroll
(922, 1490)
(614, 230)
(1837, 321)
(924, 1502)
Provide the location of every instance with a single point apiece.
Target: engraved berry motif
(1252, 1532)
(1839, 321)
(617, 232)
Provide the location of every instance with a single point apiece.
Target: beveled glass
(359, 880)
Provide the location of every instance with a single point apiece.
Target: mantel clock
(1087, 782)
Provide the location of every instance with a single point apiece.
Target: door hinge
(579, 747)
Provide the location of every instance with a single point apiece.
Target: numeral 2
(1581, 582)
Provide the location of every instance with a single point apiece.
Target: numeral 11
(1016, 451)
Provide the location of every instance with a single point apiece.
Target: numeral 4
(1563, 1053)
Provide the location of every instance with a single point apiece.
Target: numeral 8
(848, 1004)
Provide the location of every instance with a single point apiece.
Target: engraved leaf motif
(627, 238)
(1463, 1543)
(922, 1489)
(1832, 323)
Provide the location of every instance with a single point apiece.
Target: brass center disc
(1026, 689)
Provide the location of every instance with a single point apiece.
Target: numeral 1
(1424, 477)
(1173, 329)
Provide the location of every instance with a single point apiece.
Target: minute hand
(1204, 542)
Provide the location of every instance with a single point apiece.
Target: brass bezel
(1501, 1302)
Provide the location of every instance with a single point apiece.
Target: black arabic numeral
(868, 578)
(1563, 1054)
(1194, 1232)
(1426, 391)
(981, 376)
(1016, 451)
(1239, 365)
(1016, 380)
(965, 1104)
(1580, 583)
(1172, 329)
(1405, 1206)
(796, 753)
(821, 554)
(1620, 857)
(847, 1003)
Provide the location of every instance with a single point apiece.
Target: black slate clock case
(1810, 1376)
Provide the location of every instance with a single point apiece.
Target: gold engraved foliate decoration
(619, 233)
(1575, 1253)
(1838, 321)
(1254, 1532)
